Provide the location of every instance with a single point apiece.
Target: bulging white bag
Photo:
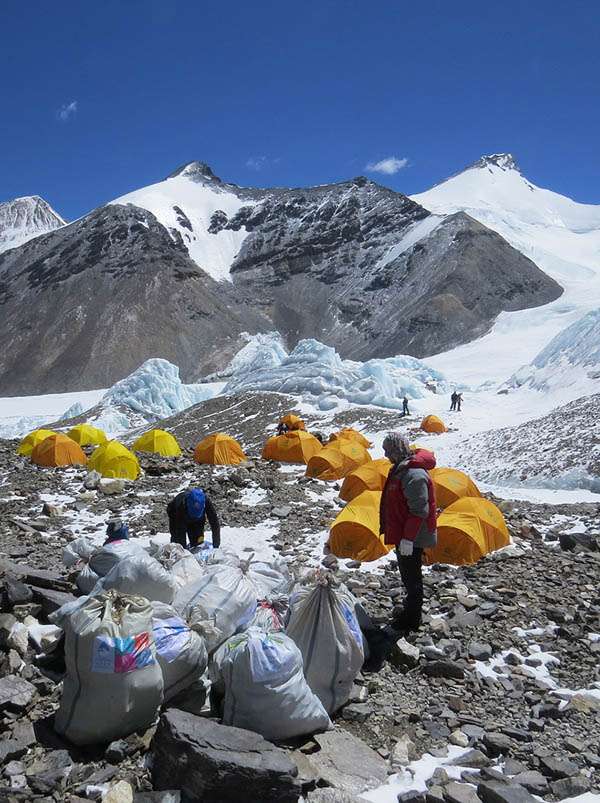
(222, 602)
(113, 685)
(181, 564)
(107, 557)
(324, 626)
(271, 578)
(77, 554)
(81, 549)
(180, 651)
(264, 687)
(141, 575)
(271, 614)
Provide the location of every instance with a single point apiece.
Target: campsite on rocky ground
(300, 445)
(496, 698)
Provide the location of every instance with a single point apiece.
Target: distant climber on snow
(458, 401)
(187, 513)
(408, 520)
(405, 410)
(453, 400)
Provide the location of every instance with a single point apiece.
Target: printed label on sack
(171, 636)
(117, 655)
(352, 623)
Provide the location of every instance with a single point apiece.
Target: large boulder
(213, 763)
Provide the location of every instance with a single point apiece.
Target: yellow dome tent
(112, 459)
(297, 446)
(31, 440)
(431, 423)
(219, 450)
(370, 477)
(337, 460)
(58, 450)
(467, 530)
(87, 435)
(451, 484)
(351, 435)
(159, 442)
(292, 422)
(355, 532)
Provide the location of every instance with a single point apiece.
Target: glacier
(262, 351)
(571, 358)
(317, 372)
(155, 390)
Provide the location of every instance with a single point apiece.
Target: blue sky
(101, 98)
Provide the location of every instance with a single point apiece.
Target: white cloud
(388, 166)
(256, 162)
(259, 162)
(67, 110)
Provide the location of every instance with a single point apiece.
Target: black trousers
(411, 572)
(181, 533)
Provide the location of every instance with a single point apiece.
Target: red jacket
(408, 508)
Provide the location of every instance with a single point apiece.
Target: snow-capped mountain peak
(196, 171)
(505, 161)
(24, 218)
(559, 234)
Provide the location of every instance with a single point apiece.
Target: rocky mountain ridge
(181, 268)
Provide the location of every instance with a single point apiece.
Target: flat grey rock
(346, 763)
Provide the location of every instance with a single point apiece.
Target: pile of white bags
(324, 626)
(181, 564)
(180, 651)
(141, 575)
(113, 684)
(219, 604)
(264, 687)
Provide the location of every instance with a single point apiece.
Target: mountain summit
(505, 161)
(22, 219)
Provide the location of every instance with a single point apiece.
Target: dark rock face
(86, 305)
(214, 763)
(360, 267)
(324, 262)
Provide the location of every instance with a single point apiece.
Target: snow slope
(22, 219)
(317, 372)
(20, 414)
(560, 235)
(570, 360)
(185, 203)
(151, 392)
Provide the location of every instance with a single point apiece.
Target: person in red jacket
(408, 519)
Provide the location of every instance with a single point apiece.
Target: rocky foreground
(501, 687)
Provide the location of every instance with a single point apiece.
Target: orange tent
(466, 531)
(296, 446)
(370, 477)
(58, 450)
(219, 449)
(355, 532)
(292, 422)
(451, 484)
(352, 435)
(431, 423)
(337, 460)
